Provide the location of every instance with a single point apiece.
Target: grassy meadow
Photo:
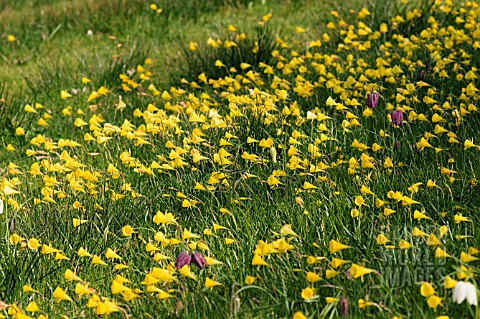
(239, 159)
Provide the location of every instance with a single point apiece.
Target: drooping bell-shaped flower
(198, 259)
(397, 117)
(372, 99)
(465, 291)
(183, 259)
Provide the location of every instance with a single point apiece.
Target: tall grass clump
(234, 50)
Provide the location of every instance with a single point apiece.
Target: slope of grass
(245, 137)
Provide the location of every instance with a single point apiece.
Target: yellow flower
(79, 122)
(426, 289)
(309, 186)
(188, 235)
(313, 260)
(212, 261)
(418, 233)
(249, 280)
(382, 239)
(434, 301)
(33, 244)
(19, 131)
(443, 230)
(403, 244)
(359, 271)
(110, 254)
(164, 295)
(28, 288)
(468, 144)
(106, 307)
(359, 201)
(160, 274)
(117, 287)
(432, 240)
(362, 303)
(96, 260)
(65, 95)
(336, 262)
(70, 275)
(166, 219)
(473, 251)
(440, 253)
(387, 211)
(48, 249)
(466, 258)
(354, 213)
(83, 289)
(209, 283)
(313, 277)
(299, 315)
(32, 307)
(308, 293)
(459, 218)
(129, 295)
(329, 274)
(419, 215)
(77, 222)
(186, 272)
(287, 230)
(272, 181)
(29, 109)
(82, 252)
(59, 294)
(258, 261)
(10, 148)
(422, 144)
(127, 230)
(449, 283)
(335, 246)
(61, 256)
(464, 273)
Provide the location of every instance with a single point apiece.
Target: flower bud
(182, 260)
(372, 99)
(273, 154)
(397, 117)
(343, 306)
(198, 259)
(421, 76)
(398, 145)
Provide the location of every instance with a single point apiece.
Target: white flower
(1, 206)
(465, 290)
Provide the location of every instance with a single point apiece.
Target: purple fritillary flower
(372, 99)
(397, 117)
(182, 260)
(421, 76)
(199, 260)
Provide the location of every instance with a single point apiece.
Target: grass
(264, 157)
(59, 34)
